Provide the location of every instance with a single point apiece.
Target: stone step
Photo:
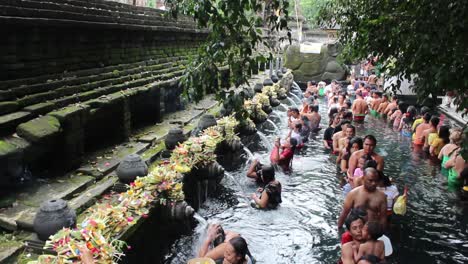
(28, 200)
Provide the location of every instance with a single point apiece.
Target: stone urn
(267, 109)
(258, 87)
(131, 167)
(274, 78)
(279, 73)
(174, 137)
(268, 82)
(52, 216)
(282, 96)
(274, 102)
(206, 121)
(246, 129)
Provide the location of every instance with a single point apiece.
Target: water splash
(285, 107)
(249, 153)
(296, 97)
(296, 86)
(274, 125)
(200, 232)
(292, 102)
(266, 142)
(239, 186)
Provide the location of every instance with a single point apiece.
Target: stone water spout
(178, 211)
(273, 76)
(206, 121)
(279, 73)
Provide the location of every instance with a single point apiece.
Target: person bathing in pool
(284, 157)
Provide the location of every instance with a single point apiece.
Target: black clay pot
(274, 102)
(131, 167)
(258, 87)
(267, 82)
(52, 216)
(274, 78)
(258, 119)
(279, 73)
(206, 121)
(234, 145)
(267, 109)
(174, 137)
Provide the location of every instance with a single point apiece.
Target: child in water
(371, 232)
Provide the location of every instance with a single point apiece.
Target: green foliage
(232, 41)
(422, 40)
(310, 10)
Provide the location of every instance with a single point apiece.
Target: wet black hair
(402, 106)
(333, 111)
(435, 121)
(313, 82)
(425, 110)
(370, 163)
(427, 117)
(293, 143)
(348, 115)
(374, 229)
(355, 214)
(373, 259)
(356, 140)
(444, 134)
(294, 109)
(349, 104)
(240, 246)
(351, 126)
(268, 173)
(298, 125)
(314, 108)
(385, 179)
(371, 137)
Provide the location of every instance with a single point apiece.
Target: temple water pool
(304, 229)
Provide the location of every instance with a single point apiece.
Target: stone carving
(206, 121)
(131, 167)
(52, 216)
(317, 67)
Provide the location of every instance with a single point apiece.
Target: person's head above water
(372, 230)
(369, 259)
(355, 143)
(456, 136)
(355, 223)
(369, 144)
(350, 131)
(236, 250)
(297, 126)
(371, 179)
(435, 121)
(267, 173)
(294, 112)
(427, 117)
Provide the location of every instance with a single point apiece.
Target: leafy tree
(310, 10)
(235, 33)
(422, 40)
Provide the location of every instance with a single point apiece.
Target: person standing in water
(368, 198)
(368, 149)
(359, 108)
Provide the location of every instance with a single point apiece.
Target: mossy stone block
(6, 148)
(71, 117)
(8, 107)
(39, 129)
(40, 109)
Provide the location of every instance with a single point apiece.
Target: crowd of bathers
(369, 193)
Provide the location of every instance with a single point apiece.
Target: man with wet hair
(353, 236)
(368, 198)
(368, 149)
(359, 107)
(338, 135)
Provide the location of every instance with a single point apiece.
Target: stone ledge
(39, 130)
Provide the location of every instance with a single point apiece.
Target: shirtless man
(383, 105)
(354, 224)
(368, 198)
(338, 135)
(368, 149)
(418, 132)
(359, 108)
(376, 102)
(350, 132)
(392, 105)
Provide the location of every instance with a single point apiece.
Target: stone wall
(76, 75)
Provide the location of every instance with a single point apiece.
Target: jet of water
(265, 140)
(274, 125)
(292, 102)
(285, 107)
(249, 153)
(297, 97)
